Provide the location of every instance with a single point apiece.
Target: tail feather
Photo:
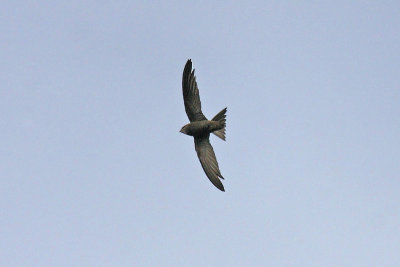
(220, 117)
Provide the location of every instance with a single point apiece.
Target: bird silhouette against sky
(200, 127)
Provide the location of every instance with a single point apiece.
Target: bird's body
(200, 127)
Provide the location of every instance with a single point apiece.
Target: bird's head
(184, 129)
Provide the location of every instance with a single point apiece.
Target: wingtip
(188, 64)
(188, 69)
(220, 186)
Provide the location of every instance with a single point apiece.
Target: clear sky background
(94, 171)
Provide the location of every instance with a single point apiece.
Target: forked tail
(221, 118)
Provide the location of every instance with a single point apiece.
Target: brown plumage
(200, 128)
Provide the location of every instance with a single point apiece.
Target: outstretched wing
(191, 96)
(208, 161)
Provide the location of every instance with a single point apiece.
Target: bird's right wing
(208, 161)
(191, 97)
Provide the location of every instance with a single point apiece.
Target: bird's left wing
(191, 96)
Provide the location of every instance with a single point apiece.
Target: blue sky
(94, 171)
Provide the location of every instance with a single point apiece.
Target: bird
(200, 127)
